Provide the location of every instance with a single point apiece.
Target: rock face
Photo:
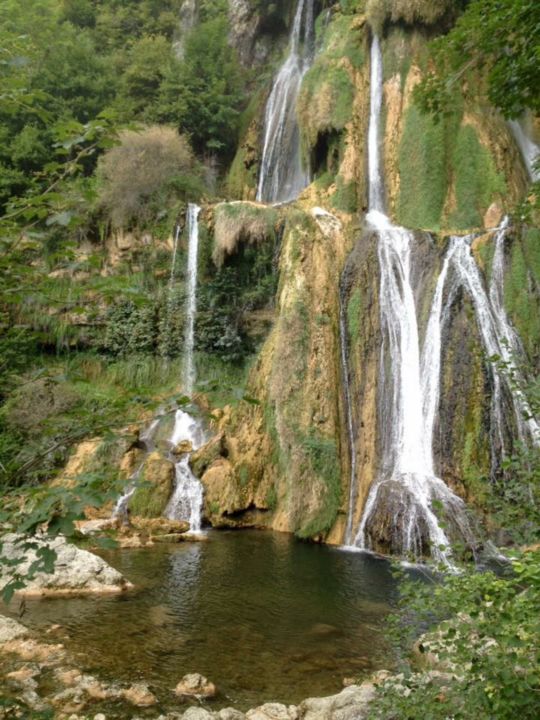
(156, 480)
(76, 572)
(195, 685)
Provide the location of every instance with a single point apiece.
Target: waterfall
(188, 377)
(175, 253)
(401, 500)
(187, 498)
(498, 336)
(282, 176)
(530, 151)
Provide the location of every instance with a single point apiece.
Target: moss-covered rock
(155, 487)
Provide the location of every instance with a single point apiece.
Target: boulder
(183, 447)
(139, 694)
(75, 571)
(195, 685)
(230, 714)
(197, 713)
(350, 704)
(273, 711)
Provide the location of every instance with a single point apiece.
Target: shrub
(145, 166)
(240, 222)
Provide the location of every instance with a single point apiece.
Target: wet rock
(350, 704)
(186, 446)
(32, 651)
(203, 458)
(156, 483)
(160, 526)
(195, 685)
(11, 629)
(76, 572)
(273, 711)
(140, 695)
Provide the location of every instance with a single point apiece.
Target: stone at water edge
(76, 571)
(183, 447)
(11, 630)
(195, 685)
(350, 704)
(273, 711)
(139, 694)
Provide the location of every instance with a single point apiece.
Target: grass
(354, 308)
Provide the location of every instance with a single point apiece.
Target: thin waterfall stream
(188, 433)
(283, 175)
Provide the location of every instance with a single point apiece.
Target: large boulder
(273, 711)
(10, 630)
(75, 571)
(350, 704)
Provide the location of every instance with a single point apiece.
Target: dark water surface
(262, 616)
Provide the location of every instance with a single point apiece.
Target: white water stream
(187, 498)
(407, 486)
(283, 175)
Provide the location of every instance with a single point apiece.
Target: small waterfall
(400, 502)
(529, 149)
(175, 253)
(188, 376)
(187, 498)
(498, 336)
(282, 176)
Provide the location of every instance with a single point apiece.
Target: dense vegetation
(107, 133)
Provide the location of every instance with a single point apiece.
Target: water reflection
(264, 617)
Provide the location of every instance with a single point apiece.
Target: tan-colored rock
(273, 711)
(33, 651)
(11, 629)
(493, 216)
(140, 695)
(195, 685)
(160, 526)
(350, 704)
(183, 447)
(76, 571)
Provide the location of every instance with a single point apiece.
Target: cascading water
(400, 502)
(187, 498)
(283, 176)
(498, 337)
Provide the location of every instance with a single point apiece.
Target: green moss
(327, 93)
(271, 498)
(522, 277)
(214, 508)
(323, 457)
(149, 500)
(477, 182)
(344, 197)
(243, 475)
(354, 308)
(422, 169)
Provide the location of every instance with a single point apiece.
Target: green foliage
(476, 180)
(203, 94)
(498, 39)
(344, 197)
(488, 638)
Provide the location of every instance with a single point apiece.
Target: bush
(146, 166)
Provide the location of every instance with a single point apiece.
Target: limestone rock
(195, 685)
(273, 711)
(11, 629)
(183, 447)
(76, 572)
(230, 714)
(197, 713)
(202, 458)
(139, 694)
(350, 704)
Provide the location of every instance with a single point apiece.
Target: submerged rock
(75, 572)
(195, 685)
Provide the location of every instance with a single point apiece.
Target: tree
(498, 40)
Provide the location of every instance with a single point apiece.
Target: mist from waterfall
(283, 175)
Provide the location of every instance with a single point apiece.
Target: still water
(263, 617)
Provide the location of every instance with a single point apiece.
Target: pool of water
(264, 617)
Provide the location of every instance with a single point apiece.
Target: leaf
(62, 219)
